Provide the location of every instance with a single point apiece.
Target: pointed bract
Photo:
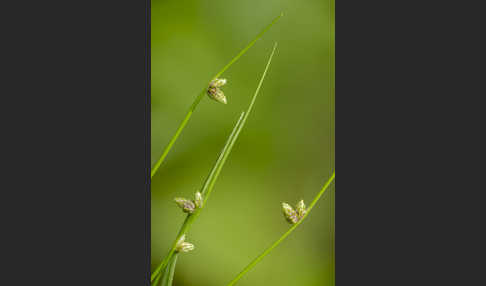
(198, 200)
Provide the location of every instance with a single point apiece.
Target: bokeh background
(284, 153)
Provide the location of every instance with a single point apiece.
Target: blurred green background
(284, 153)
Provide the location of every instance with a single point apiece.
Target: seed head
(214, 91)
(289, 213)
(186, 205)
(183, 246)
(217, 94)
(219, 82)
(301, 209)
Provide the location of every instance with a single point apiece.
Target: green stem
(210, 183)
(156, 281)
(169, 272)
(178, 132)
(190, 217)
(248, 46)
(276, 243)
(215, 171)
(201, 95)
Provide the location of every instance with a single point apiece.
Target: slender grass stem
(201, 95)
(169, 272)
(208, 185)
(287, 233)
(248, 46)
(190, 217)
(178, 132)
(215, 171)
(156, 281)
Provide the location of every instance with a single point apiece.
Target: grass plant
(212, 177)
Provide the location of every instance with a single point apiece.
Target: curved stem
(287, 233)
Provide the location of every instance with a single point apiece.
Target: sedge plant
(165, 270)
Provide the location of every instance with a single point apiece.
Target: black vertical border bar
(147, 138)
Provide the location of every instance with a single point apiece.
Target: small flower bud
(183, 246)
(289, 213)
(186, 205)
(198, 200)
(219, 82)
(217, 94)
(301, 209)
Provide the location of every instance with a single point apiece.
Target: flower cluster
(294, 216)
(189, 206)
(214, 91)
(183, 246)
